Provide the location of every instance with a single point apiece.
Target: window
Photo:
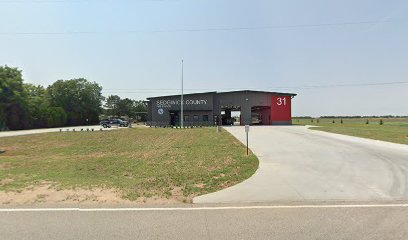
(195, 118)
(186, 118)
(205, 118)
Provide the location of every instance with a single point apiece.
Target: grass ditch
(139, 162)
(390, 129)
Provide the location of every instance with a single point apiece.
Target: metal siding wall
(149, 111)
(281, 109)
(164, 119)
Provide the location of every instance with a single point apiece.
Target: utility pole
(182, 92)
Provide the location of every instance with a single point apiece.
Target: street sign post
(246, 132)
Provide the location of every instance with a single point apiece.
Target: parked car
(107, 123)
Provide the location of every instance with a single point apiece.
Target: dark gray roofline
(256, 91)
(277, 93)
(186, 94)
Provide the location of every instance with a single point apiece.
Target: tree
(36, 105)
(13, 112)
(125, 107)
(117, 107)
(79, 98)
(111, 105)
(55, 117)
(140, 110)
(41, 113)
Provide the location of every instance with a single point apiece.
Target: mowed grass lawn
(140, 162)
(393, 129)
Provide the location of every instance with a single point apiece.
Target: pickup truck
(107, 123)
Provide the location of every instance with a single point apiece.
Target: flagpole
(182, 92)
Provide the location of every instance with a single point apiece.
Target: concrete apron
(297, 164)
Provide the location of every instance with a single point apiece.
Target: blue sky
(137, 46)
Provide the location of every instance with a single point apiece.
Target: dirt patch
(4, 166)
(48, 194)
(5, 181)
(177, 192)
(199, 185)
(9, 148)
(213, 168)
(162, 201)
(219, 176)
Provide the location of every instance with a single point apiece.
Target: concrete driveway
(298, 164)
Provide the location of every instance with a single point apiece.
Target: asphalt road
(299, 164)
(326, 223)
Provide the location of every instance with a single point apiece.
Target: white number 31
(281, 101)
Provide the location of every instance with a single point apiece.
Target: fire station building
(216, 108)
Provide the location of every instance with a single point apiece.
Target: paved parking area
(298, 164)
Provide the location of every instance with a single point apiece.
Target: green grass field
(392, 130)
(140, 162)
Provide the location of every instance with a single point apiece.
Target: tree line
(63, 103)
(117, 107)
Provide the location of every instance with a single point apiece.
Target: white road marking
(198, 208)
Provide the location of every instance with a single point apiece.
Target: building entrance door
(174, 118)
